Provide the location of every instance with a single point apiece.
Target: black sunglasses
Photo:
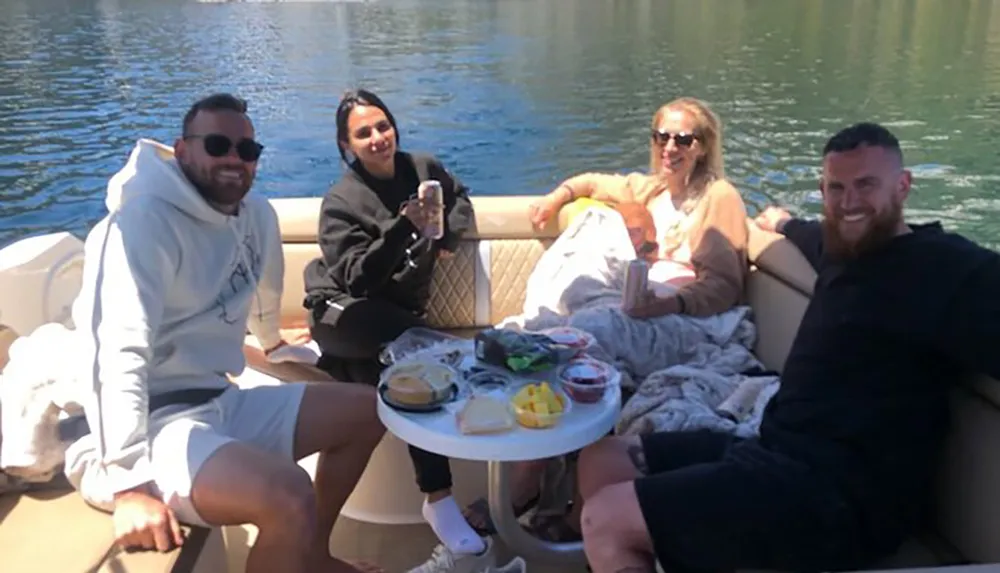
(682, 139)
(218, 145)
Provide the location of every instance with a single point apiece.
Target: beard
(882, 229)
(215, 190)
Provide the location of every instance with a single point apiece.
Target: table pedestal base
(513, 535)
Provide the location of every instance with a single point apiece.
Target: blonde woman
(700, 265)
(700, 218)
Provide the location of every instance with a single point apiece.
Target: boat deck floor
(398, 548)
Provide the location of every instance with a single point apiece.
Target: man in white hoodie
(183, 264)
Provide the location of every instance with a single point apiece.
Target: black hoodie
(365, 240)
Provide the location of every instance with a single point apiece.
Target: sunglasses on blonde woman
(682, 139)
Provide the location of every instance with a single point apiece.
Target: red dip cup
(585, 380)
(576, 341)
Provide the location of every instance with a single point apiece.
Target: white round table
(438, 432)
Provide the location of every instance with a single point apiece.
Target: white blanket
(37, 401)
(683, 367)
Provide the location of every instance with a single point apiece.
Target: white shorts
(181, 441)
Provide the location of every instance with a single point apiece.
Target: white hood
(170, 286)
(152, 169)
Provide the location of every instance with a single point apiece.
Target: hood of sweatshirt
(152, 169)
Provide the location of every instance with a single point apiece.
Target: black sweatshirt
(364, 239)
(864, 392)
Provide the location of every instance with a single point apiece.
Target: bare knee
(288, 500)
(369, 427)
(337, 415)
(598, 515)
(612, 522)
(606, 462)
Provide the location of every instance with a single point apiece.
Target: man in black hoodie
(841, 472)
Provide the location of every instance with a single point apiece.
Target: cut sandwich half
(483, 414)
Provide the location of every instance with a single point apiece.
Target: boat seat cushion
(777, 312)
(779, 257)
(57, 531)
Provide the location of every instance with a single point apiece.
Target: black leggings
(351, 340)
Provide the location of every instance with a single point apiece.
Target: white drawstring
(240, 251)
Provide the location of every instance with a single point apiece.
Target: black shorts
(713, 502)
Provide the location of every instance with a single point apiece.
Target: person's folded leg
(753, 509)
(361, 329)
(208, 476)
(440, 509)
(296, 420)
(619, 459)
(351, 341)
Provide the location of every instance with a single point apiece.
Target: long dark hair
(350, 100)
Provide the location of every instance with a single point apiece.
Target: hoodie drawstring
(241, 253)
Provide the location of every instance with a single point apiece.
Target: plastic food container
(586, 380)
(533, 410)
(488, 380)
(572, 337)
(574, 342)
(419, 383)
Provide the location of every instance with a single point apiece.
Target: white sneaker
(444, 561)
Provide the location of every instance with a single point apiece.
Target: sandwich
(483, 414)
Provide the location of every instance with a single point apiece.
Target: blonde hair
(708, 131)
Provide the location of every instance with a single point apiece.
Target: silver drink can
(431, 195)
(636, 283)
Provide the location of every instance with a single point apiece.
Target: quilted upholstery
(453, 289)
(511, 261)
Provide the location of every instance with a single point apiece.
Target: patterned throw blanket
(681, 368)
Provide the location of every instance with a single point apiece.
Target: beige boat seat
(78, 537)
(482, 284)
(54, 530)
(57, 531)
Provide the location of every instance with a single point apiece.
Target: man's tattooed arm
(638, 457)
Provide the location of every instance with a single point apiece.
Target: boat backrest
(778, 290)
(482, 284)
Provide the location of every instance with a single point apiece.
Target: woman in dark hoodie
(372, 282)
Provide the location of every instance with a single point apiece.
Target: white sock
(448, 523)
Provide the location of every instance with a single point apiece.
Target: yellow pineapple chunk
(536, 403)
(553, 404)
(521, 399)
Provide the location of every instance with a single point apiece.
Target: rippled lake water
(514, 95)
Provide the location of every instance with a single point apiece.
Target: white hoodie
(170, 286)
